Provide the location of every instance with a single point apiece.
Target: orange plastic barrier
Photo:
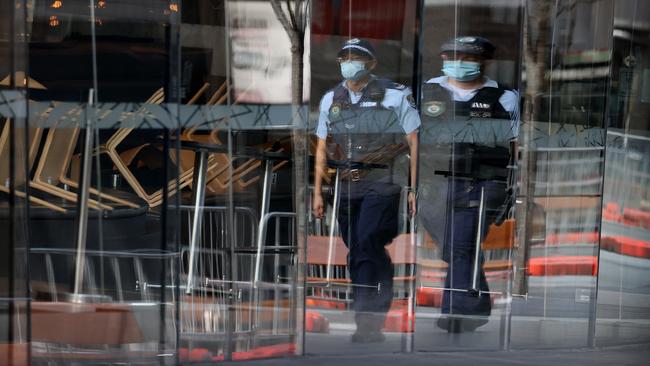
(629, 216)
(399, 321)
(563, 266)
(430, 297)
(277, 350)
(612, 212)
(572, 238)
(194, 355)
(204, 355)
(635, 217)
(325, 304)
(316, 322)
(626, 246)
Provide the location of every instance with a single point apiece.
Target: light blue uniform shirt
(395, 99)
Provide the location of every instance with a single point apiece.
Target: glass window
(217, 180)
(361, 248)
(469, 106)
(622, 278)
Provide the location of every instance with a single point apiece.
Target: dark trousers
(460, 250)
(368, 223)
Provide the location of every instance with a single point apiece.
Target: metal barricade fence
(334, 283)
(260, 293)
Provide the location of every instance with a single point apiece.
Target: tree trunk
(297, 65)
(294, 23)
(536, 63)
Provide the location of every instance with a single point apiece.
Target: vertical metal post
(51, 280)
(266, 199)
(82, 224)
(477, 249)
(118, 279)
(198, 180)
(261, 237)
(276, 279)
(266, 189)
(408, 340)
(335, 209)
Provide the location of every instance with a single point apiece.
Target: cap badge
(467, 40)
(354, 41)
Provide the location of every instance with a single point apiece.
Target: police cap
(359, 47)
(470, 45)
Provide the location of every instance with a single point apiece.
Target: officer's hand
(317, 206)
(412, 202)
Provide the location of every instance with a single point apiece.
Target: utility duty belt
(354, 171)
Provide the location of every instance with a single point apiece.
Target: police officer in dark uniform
(468, 124)
(366, 123)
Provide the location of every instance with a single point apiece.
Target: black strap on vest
(373, 92)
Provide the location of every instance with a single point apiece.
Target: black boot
(459, 325)
(368, 328)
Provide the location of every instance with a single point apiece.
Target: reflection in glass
(469, 123)
(156, 167)
(624, 261)
(361, 128)
(361, 252)
(239, 232)
(469, 105)
(565, 59)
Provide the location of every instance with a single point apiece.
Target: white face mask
(353, 70)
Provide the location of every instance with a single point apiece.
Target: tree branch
(279, 13)
(292, 17)
(303, 14)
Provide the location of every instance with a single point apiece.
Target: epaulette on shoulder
(389, 84)
(334, 89)
(504, 87)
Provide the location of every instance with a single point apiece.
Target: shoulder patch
(335, 110)
(411, 100)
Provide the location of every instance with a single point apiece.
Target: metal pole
(261, 234)
(198, 179)
(261, 237)
(266, 189)
(82, 227)
(477, 249)
(408, 339)
(335, 208)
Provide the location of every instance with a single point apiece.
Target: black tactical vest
(362, 132)
(437, 103)
(463, 130)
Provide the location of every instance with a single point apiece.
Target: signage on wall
(260, 61)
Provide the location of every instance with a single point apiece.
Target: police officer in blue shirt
(468, 124)
(365, 124)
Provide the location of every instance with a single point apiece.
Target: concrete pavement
(621, 355)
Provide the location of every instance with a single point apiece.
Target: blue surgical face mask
(462, 70)
(353, 70)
